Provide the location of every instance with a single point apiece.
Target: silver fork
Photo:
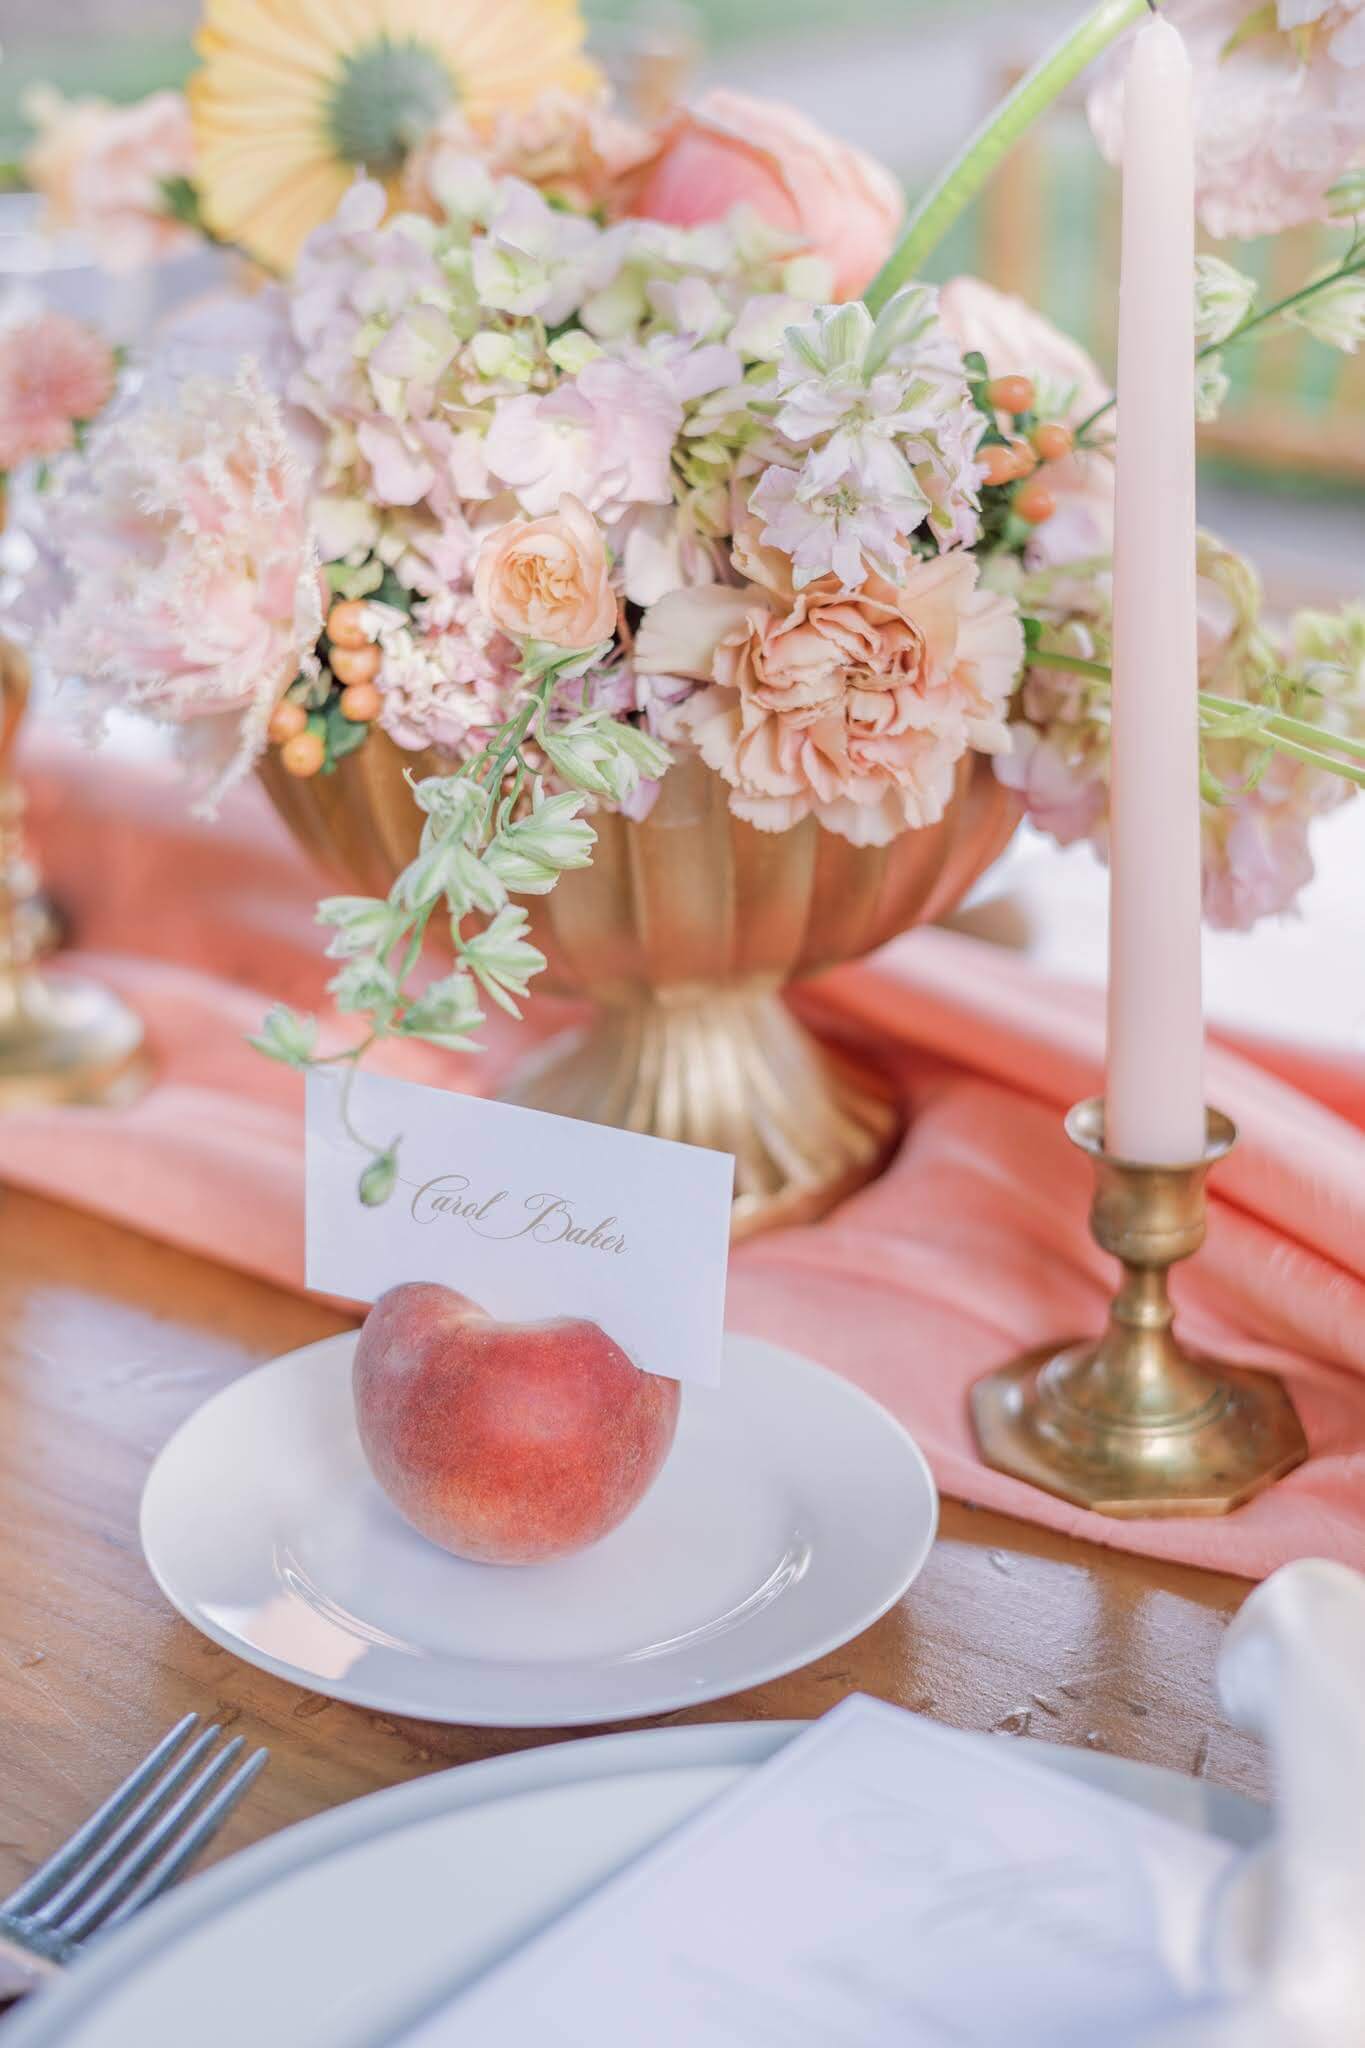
(143, 1838)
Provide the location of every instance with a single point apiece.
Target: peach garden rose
(549, 579)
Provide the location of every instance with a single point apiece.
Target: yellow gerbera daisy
(294, 96)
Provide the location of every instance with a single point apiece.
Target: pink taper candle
(1155, 1093)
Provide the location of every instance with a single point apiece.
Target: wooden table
(107, 1340)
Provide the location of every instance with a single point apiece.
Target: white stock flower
(1335, 315)
(1223, 296)
(1211, 387)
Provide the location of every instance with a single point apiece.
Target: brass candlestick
(62, 1039)
(1133, 1424)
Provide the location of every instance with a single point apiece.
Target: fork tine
(59, 1867)
(143, 1854)
(106, 1854)
(176, 1861)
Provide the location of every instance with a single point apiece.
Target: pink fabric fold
(972, 1247)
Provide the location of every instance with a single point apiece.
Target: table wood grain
(108, 1340)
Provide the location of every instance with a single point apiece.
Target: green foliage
(286, 1036)
(491, 830)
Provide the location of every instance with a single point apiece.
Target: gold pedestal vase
(683, 934)
(1133, 1424)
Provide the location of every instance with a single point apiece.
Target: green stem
(1350, 266)
(1276, 728)
(1330, 763)
(414, 947)
(512, 736)
(347, 1086)
(349, 1052)
(1281, 722)
(1071, 664)
(954, 191)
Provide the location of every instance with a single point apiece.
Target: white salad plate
(344, 1931)
(793, 1511)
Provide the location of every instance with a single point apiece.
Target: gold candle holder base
(66, 1039)
(62, 1039)
(1133, 1425)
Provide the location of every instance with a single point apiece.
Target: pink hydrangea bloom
(606, 436)
(196, 588)
(357, 274)
(1279, 110)
(54, 375)
(537, 259)
(100, 169)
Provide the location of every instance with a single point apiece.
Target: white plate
(336, 1933)
(791, 1513)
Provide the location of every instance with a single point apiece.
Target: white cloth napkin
(1290, 1927)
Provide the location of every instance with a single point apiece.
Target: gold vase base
(65, 1039)
(1240, 1439)
(39, 927)
(733, 1070)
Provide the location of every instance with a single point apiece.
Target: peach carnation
(733, 150)
(54, 375)
(854, 707)
(100, 170)
(549, 579)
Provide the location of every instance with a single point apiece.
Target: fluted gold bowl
(683, 933)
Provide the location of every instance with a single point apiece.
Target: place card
(530, 1215)
(881, 1881)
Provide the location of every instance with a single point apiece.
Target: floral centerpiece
(561, 453)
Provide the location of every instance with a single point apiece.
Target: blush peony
(854, 707)
(731, 150)
(197, 591)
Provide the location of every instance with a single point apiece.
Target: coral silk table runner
(973, 1246)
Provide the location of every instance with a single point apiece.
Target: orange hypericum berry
(360, 702)
(303, 755)
(1053, 441)
(1011, 394)
(1035, 503)
(1000, 463)
(355, 664)
(287, 721)
(346, 624)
